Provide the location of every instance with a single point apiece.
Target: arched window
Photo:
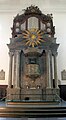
(33, 23)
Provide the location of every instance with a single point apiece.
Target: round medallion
(48, 24)
(48, 30)
(17, 30)
(33, 37)
(17, 24)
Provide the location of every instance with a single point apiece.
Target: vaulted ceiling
(18, 5)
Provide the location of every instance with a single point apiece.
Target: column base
(51, 94)
(48, 94)
(13, 93)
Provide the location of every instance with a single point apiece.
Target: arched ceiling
(44, 5)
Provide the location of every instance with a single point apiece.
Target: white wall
(5, 34)
(8, 11)
(60, 23)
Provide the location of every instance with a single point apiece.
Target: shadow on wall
(63, 91)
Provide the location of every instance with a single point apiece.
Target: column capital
(11, 53)
(17, 51)
(46, 51)
(55, 53)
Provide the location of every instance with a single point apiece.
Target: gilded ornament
(33, 37)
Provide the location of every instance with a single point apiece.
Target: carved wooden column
(17, 68)
(10, 69)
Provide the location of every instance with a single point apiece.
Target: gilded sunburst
(33, 37)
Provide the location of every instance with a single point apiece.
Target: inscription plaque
(2, 75)
(63, 75)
